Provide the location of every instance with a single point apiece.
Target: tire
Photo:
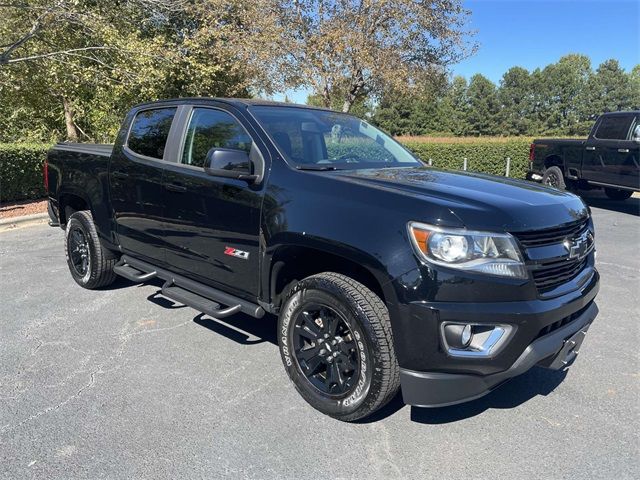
(90, 264)
(360, 341)
(617, 193)
(554, 177)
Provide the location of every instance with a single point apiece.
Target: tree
(354, 47)
(88, 62)
(516, 102)
(482, 116)
(634, 81)
(560, 92)
(610, 88)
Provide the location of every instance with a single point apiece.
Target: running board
(133, 274)
(187, 291)
(196, 301)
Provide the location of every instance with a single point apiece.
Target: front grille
(551, 236)
(550, 275)
(563, 321)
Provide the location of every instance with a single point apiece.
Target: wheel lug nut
(326, 335)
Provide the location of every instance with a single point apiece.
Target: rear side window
(212, 128)
(149, 132)
(614, 127)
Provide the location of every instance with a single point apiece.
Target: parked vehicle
(383, 272)
(609, 158)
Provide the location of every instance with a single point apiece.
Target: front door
(135, 176)
(212, 224)
(612, 158)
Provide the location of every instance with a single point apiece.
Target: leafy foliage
(561, 99)
(483, 156)
(21, 171)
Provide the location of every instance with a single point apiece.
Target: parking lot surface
(123, 383)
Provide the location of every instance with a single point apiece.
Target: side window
(212, 128)
(149, 132)
(614, 127)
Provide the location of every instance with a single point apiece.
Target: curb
(15, 222)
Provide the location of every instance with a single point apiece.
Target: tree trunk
(72, 130)
(352, 95)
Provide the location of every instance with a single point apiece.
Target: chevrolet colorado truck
(609, 158)
(384, 273)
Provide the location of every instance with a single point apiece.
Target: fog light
(474, 340)
(458, 335)
(466, 335)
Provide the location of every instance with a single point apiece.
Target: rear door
(135, 178)
(212, 224)
(612, 157)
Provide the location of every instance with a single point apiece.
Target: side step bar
(199, 303)
(130, 273)
(189, 292)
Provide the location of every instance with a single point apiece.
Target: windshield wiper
(317, 168)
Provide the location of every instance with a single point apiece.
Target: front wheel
(90, 264)
(337, 347)
(617, 193)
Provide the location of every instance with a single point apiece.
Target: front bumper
(534, 176)
(555, 350)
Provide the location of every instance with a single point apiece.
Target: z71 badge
(234, 252)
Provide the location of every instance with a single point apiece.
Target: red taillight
(45, 174)
(532, 152)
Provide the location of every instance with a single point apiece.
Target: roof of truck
(238, 102)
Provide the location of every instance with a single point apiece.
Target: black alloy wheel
(90, 264)
(79, 251)
(554, 178)
(337, 347)
(326, 350)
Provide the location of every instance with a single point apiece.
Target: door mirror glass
(228, 162)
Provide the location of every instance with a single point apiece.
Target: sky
(535, 33)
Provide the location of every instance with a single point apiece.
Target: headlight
(483, 252)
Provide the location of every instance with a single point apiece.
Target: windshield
(315, 139)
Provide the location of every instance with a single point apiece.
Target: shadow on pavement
(241, 328)
(537, 381)
(597, 199)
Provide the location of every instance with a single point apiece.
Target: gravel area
(25, 207)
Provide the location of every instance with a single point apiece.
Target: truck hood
(478, 201)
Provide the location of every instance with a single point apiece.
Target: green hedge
(21, 171)
(485, 156)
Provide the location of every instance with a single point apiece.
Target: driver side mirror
(229, 163)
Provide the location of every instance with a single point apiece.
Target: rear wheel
(617, 193)
(337, 347)
(554, 177)
(90, 264)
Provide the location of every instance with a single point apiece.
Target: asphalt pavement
(122, 383)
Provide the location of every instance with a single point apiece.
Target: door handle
(590, 148)
(174, 187)
(118, 174)
(623, 150)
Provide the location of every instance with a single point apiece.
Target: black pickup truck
(609, 158)
(384, 273)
